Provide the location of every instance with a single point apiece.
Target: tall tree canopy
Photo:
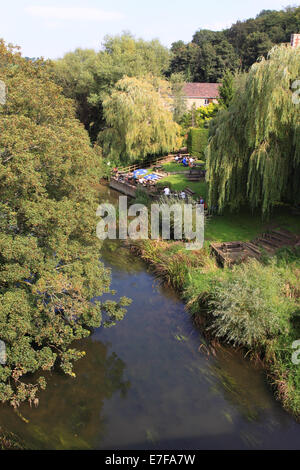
(88, 76)
(212, 52)
(226, 90)
(49, 268)
(179, 101)
(76, 73)
(254, 154)
(138, 119)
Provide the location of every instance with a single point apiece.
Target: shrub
(141, 197)
(251, 307)
(197, 142)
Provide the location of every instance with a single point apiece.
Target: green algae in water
(180, 338)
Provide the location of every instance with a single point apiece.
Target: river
(148, 384)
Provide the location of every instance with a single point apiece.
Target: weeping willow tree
(139, 119)
(254, 153)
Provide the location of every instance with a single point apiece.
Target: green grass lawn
(245, 225)
(173, 166)
(180, 182)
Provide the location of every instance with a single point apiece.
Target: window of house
(206, 101)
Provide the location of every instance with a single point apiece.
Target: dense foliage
(179, 102)
(254, 154)
(87, 75)
(204, 60)
(210, 53)
(138, 119)
(49, 254)
(198, 117)
(226, 90)
(197, 142)
(250, 306)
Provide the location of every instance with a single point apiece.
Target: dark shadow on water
(70, 415)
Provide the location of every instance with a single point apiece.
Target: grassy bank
(179, 182)
(254, 306)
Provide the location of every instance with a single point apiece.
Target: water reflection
(70, 413)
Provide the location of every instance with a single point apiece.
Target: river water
(148, 384)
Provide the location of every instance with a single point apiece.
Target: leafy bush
(251, 307)
(199, 117)
(197, 142)
(141, 197)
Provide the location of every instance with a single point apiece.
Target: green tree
(88, 76)
(49, 254)
(76, 73)
(213, 59)
(254, 154)
(139, 120)
(204, 36)
(204, 59)
(212, 52)
(183, 59)
(226, 90)
(256, 45)
(199, 117)
(179, 102)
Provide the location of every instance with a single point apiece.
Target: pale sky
(51, 28)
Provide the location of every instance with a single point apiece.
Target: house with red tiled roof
(201, 94)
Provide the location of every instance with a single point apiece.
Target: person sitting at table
(201, 200)
(176, 158)
(185, 162)
(167, 191)
(182, 195)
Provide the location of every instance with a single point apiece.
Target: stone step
(284, 234)
(274, 236)
(263, 243)
(253, 248)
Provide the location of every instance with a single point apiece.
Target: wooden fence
(151, 162)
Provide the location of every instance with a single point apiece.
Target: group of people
(167, 192)
(182, 195)
(130, 178)
(185, 160)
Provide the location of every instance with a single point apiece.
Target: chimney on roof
(295, 40)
